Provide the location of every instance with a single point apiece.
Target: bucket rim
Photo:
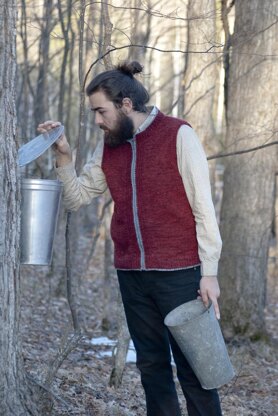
(206, 310)
(40, 180)
(40, 184)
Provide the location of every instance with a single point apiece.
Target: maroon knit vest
(152, 226)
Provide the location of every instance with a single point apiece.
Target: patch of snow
(131, 354)
(103, 341)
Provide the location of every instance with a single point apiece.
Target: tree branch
(240, 152)
(156, 13)
(116, 48)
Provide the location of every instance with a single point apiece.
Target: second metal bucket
(40, 204)
(198, 334)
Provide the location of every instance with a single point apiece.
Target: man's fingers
(210, 291)
(216, 308)
(205, 298)
(48, 125)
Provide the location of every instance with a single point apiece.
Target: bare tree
(201, 69)
(66, 30)
(41, 102)
(25, 94)
(15, 396)
(123, 334)
(167, 78)
(140, 30)
(248, 199)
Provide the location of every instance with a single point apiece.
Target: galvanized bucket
(40, 205)
(198, 334)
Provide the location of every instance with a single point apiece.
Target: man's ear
(127, 105)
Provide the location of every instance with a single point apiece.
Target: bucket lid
(37, 146)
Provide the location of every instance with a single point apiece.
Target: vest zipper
(134, 205)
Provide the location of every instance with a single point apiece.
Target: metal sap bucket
(198, 334)
(40, 205)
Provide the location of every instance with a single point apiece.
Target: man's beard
(121, 133)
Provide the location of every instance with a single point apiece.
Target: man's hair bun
(119, 83)
(130, 68)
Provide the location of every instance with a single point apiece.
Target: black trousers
(147, 297)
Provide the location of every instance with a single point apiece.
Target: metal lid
(37, 146)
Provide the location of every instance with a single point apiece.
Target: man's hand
(209, 290)
(61, 146)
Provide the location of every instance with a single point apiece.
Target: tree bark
(15, 396)
(108, 265)
(248, 199)
(65, 26)
(123, 339)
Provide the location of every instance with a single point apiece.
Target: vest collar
(148, 121)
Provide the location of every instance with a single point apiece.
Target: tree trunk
(201, 70)
(14, 392)
(65, 26)
(108, 265)
(202, 73)
(167, 78)
(123, 339)
(140, 32)
(41, 109)
(248, 199)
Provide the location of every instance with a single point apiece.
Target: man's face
(117, 126)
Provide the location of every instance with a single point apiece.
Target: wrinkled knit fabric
(152, 226)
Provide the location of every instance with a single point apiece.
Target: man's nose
(98, 119)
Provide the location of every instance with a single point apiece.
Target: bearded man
(166, 238)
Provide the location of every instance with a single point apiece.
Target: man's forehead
(99, 100)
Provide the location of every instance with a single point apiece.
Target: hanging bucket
(198, 334)
(40, 205)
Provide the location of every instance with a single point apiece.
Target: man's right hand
(61, 146)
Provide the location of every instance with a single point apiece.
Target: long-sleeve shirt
(193, 168)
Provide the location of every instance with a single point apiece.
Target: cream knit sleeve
(193, 168)
(90, 184)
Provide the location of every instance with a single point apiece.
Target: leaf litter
(81, 385)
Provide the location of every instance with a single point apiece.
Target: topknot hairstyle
(130, 68)
(119, 83)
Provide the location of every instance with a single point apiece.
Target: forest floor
(81, 385)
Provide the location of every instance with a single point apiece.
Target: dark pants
(147, 297)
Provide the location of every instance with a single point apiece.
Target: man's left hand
(209, 290)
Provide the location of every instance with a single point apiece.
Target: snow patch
(104, 341)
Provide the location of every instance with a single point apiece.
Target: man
(166, 238)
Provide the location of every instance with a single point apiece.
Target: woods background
(213, 63)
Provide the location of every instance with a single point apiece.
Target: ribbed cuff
(63, 172)
(209, 268)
